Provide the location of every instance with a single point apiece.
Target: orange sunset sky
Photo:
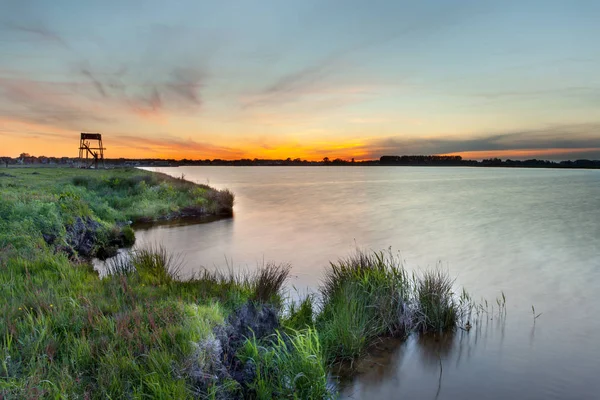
(348, 79)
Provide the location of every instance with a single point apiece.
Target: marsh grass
(436, 308)
(268, 281)
(263, 285)
(65, 332)
(367, 296)
(132, 334)
(37, 208)
(364, 296)
(121, 264)
(220, 202)
(299, 315)
(158, 265)
(287, 366)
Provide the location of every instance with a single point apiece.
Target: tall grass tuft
(265, 285)
(157, 264)
(364, 297)
(269, 280)
(121, 264)
(436, 308)
(287, 367)
(369, 295)
(300, 315)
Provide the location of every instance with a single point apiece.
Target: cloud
(589, 93)
(39, 31)
(179, 92)
(561, 138)
(291, 87)
(99, 85)
(47, 104)
(298, 80)
(99, 98)
(149, 105)
(186, 83)
(178, 147)
(307, 92)
(16, 128)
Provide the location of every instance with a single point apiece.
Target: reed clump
(370, 295)
(363, 296)
(290, 366)
(435, 304)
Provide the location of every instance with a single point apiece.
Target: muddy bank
(219, 363)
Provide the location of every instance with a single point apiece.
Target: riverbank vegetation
(87, 213)
(143, 331)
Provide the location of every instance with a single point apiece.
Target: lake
(532, 233)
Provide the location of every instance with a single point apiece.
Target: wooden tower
(92, 154)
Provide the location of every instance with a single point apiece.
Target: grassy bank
(84, 212)
(142, 332)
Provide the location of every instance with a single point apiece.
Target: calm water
(534, 234)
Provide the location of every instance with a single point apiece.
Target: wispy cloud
(179, 90)
(96, 82)
(40, 32)
(291, 87)
(578, 136)
(590, 94)
(47, 103)
(17, 128)
(175, 146)
(98, 98)
(187, 82)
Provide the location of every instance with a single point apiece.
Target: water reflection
(185, 238)
(196, 243)
(392, 363)
(175, 223)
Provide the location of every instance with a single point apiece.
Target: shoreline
(142, 330)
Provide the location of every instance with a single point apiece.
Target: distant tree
(326, 160)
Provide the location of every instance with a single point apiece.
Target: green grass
(287, 366)
(38, 204)
(437, 307)
(364, 297)
(300, 316)
(131, 334)
(143, 331)
(67, 332)
(64, 332)
(370, 295)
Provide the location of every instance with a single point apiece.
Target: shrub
(220, 202)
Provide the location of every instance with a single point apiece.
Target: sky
(238, 79)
